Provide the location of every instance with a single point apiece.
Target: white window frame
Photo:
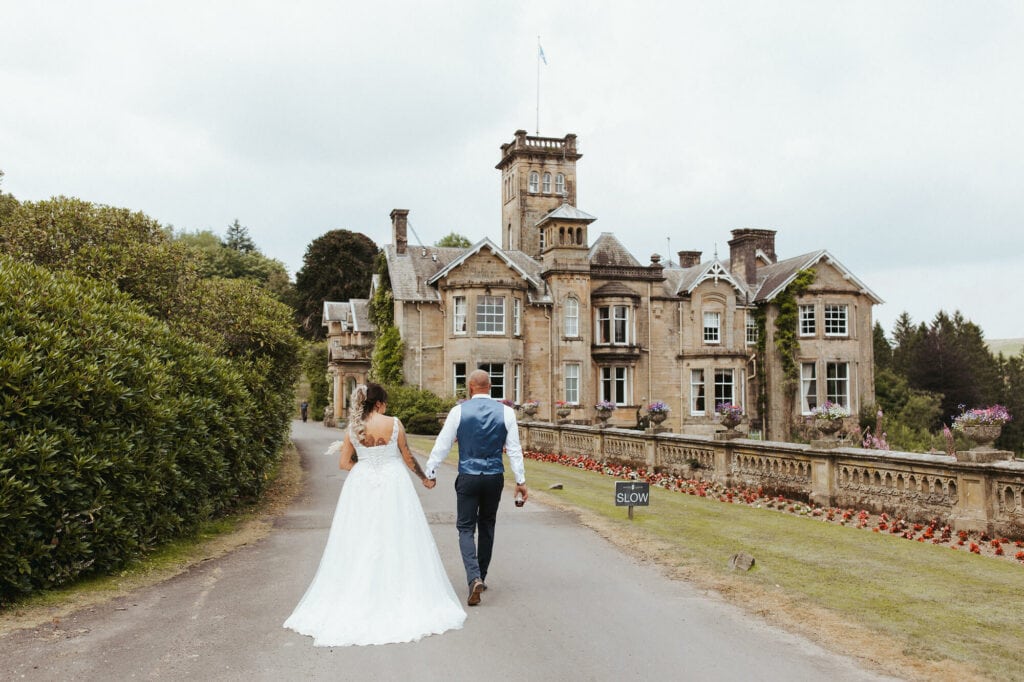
(837, 388)
(612, 325)
(725, 382)
(459, 315)
(750, 325)
(571, 313)
(712, 327)
(534, 182)
(517, 383)
(615, 384)
(496, 372)
(571, 383)
(490, 315)
(546, 187)
(517, 316)
(698, 395)
(808, 325)
(808, 387)
(560, 184)
(543, 238)
(837, 319)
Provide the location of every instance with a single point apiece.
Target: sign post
(632, 493)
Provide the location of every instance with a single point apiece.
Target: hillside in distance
(1007, 347)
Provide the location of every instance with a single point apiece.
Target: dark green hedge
(118, 432)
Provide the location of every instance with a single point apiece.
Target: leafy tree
(417, 408)
(336, 267)
(218, 259)
(1012, 397)
(454, 239)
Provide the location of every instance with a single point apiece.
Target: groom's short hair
(479, 378)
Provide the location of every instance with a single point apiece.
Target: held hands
(429, 483)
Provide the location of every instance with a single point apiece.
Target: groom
(483, 427)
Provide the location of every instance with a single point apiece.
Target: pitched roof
(335, 311)
(713, 269)
(410, 271)
(777, 276)
(505, 256)
(607, 250)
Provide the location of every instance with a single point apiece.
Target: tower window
(559, 184)
(547, 183)
(534, 181)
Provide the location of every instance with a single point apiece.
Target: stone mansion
(557, 314)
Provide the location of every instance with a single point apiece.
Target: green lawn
(929, 601)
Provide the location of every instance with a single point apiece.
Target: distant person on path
(380, 579)
(304, 409)
(483, 427)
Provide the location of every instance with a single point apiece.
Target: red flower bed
(934, 532)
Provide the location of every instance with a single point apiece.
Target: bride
(380, 579)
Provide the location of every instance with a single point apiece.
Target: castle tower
(538, 174)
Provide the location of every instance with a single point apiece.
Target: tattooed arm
(410, 461)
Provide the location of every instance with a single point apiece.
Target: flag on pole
(540, 53)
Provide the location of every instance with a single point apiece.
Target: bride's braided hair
(361, 404)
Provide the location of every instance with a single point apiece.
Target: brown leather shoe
(475, 588)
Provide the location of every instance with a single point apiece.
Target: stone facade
(556, 316)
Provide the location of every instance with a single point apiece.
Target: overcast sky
(889, 133)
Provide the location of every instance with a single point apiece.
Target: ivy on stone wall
(382, 305)
(786, 340)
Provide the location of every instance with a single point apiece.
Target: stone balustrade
(976, 496)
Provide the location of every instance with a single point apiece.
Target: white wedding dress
(380, 579)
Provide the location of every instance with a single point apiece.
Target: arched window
(579, 236)
(572, 317)
(534, 181)
(547, 183)
(560, 184)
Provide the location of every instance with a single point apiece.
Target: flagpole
(538, 85)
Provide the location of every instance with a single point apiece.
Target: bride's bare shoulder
(378, 430)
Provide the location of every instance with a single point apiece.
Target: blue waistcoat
(481, 435)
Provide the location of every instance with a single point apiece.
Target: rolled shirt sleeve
(512, 446)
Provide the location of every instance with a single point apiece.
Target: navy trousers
(477, 497)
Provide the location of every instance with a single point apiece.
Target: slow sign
(632, 494)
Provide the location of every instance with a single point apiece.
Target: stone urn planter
(563, 412)
(828, 427)
(658, 417)
(731, 422)
(602, 418)
(530, 411)
(983, 436)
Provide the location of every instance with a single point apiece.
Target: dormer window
(560, 184)
(547, 183)
(534, 181)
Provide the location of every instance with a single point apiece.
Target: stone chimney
(687, 259)
(743, 248)
(399, 227)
